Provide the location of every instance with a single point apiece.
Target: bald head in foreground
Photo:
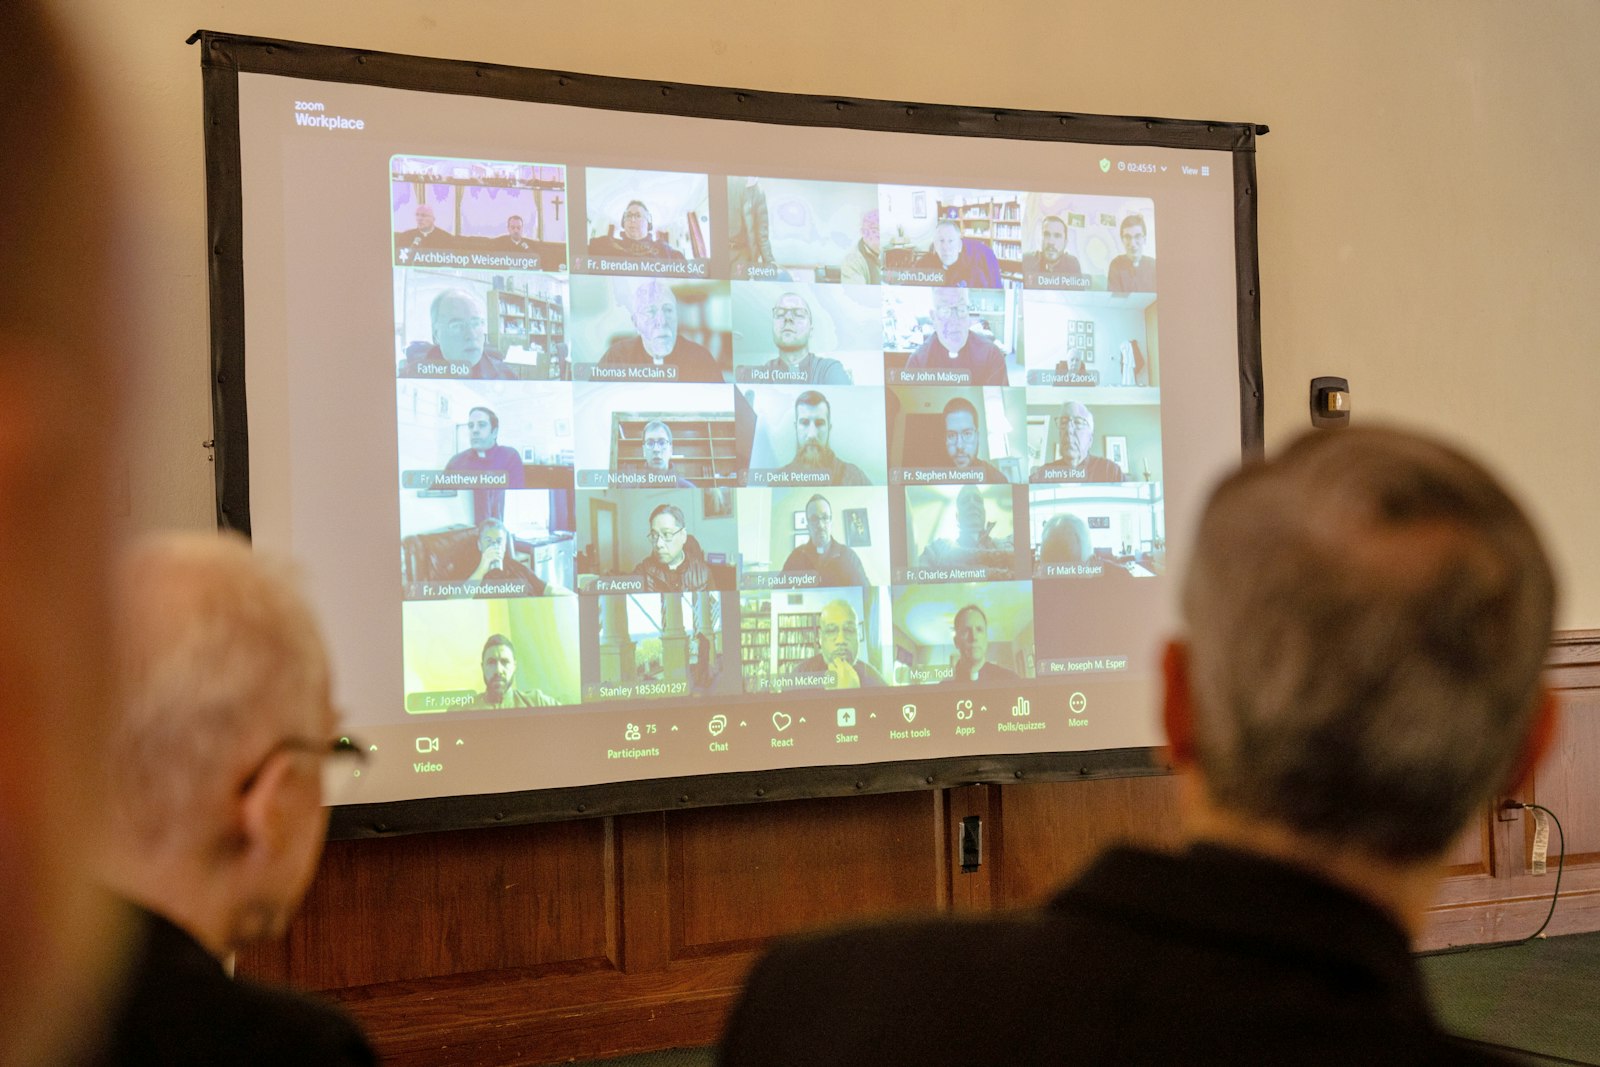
(225, 738)
(1365, 621)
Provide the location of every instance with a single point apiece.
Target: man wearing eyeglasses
(636, 239)
(224, 754)
(961, 441)
(658, 345)
(657, 442)
(795, 363)
(955, 347)
(838, 643)
(1075, 428)
(460, 348)
(676, 563)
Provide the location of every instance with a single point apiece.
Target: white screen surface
(1048, 473)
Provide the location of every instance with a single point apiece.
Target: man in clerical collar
(513, 238)
(1132, 272)
(655, 316)
(971, 638)
(791, 332)
(676, 563)
(425, 234)
(954, 346)
(833, 563)
(485, 453)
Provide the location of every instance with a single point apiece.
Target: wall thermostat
(1330, 403)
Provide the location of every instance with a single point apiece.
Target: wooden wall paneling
(1566, 781)
(1508, 901)
(742, 875)
(643, 892)
(1472, 855)
(430, 905)
(1052, 829)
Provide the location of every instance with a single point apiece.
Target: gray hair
(220, 658)
(1368, 672)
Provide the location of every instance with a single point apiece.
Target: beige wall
(1426, 228)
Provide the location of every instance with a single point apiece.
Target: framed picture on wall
(1117, 452)
(857, 534)
(716, 503)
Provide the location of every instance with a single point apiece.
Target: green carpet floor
(1540, 997)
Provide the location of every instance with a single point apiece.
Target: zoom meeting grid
(672, 437)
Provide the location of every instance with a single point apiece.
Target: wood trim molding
(1574, 648)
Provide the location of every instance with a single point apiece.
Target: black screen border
(224, 56)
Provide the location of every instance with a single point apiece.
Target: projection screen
(648, 445)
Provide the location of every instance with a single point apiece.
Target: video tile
(630, 329)
(971, 633)
(477, 214)
(1093, 341)
(648, 646)
(656, 540)
(490, 326)
(953, 436)
(648, 222)
(640, 436)
(947, 336)
(963, 533)
(1110, 532)
(1075, 439)
(1073, 241)
(797, 639)
(794, 333)
(802, 537)
(788, 229)
(489, 655)
(798, 439)
(936, 235)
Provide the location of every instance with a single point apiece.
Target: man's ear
(1177, 705)
(263, 804)
(1541, 735)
